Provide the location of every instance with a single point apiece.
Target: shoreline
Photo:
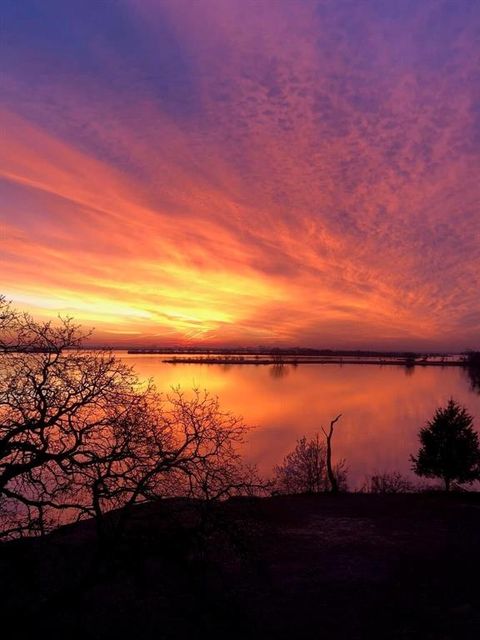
(298, 361)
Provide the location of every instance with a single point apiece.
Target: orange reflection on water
(382, 407)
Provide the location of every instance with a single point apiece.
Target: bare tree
(305, 470)
(7, 317)
(80, 435)
(332, 476)
(56, 403)
(393, 482)
(181, 445)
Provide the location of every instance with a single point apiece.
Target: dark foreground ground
(351, 566)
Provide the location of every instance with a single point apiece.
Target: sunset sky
(244, 172)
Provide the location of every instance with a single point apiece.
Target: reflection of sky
(244, 170)
(382, 407)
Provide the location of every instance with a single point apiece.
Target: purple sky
(300, 172)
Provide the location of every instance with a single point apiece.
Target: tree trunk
(330, 473)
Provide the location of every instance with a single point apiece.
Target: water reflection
(279, 370)
(473, 375)
(383, 407)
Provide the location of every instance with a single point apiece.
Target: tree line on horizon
(82, 437)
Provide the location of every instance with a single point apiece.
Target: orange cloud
(249, 172)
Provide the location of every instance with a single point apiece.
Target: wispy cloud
(245, 171)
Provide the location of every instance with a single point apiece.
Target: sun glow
(250, 187)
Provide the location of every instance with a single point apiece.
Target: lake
(382, 407)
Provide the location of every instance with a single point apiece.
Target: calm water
(382, 407)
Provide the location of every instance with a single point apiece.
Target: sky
(244, 172)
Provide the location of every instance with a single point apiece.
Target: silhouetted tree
(449, 447)
(393, 482)
(332, 476)
(304, 470)
(80, 435)
(410, 360)
(61, 410)
(179, 446)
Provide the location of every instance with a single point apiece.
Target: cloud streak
(245, 172)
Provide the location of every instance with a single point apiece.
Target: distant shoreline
(294, 357)
(298, 361)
